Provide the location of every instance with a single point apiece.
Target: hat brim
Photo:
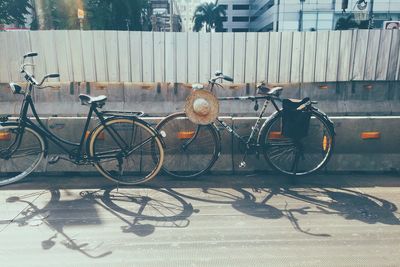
(197, 118)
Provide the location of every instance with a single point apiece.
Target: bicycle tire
(280, 152)
(140, 164)
(200, 154)
(12, 168)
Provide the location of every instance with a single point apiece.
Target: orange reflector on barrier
(370, 135)
(275, 135)
(5, 136)
(325, 143)
(185, 134)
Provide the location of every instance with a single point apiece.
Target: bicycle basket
(295, 118)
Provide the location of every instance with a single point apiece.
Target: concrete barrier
(351, 151)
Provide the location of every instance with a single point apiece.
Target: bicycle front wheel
(298, 157)
(190, 149)
(126, 151)
(21, 150)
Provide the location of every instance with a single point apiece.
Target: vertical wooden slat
(372, 54)
(76, 54)
(227, 53)
(124, 56)
(37, 39)
(181, 57)
(285, 57)
(147, 56)
(19, 43)
(239, 57)
(383, 55)
(345, 55)
(216, 52)
(333, 56)
(136, 56)
(88, 56)
(64, 59)
(321, 57)
(205, 57)
(159, 56)
(262, 56)
(112, 56)
(360, 53)
(4, 68)
(100, 56)
(393, 55)
(295, 75)
(309, 57)
(193, 57)
(170, 58)
(251, 58)
(274, 56)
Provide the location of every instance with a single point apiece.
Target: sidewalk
(246, 220)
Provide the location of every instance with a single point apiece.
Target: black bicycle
(123, 147)
(191, 149)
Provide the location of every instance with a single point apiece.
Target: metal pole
(171, 12)
(371, 15)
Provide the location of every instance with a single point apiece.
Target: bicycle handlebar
(30, 77)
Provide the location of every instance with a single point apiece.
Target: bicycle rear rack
(123, 113)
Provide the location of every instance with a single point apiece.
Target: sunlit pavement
(219, 220)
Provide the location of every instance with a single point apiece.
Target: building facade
(306, 15)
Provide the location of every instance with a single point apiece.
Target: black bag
(295, 118)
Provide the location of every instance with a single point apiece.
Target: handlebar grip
(227, 78)
(53, 75)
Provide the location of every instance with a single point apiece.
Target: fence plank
(100, 56)
(239, 57)
(273, 57)
(147, 56)
(295, 72)
(193, 57)
(372, 54)
(170, 58)
(228, 53)
(216, 52)
(112, 56)
(360, 53)
(88, 56)
(19, 43)
(285, 65)
(181, 57)
(393, 55)
(345, 55)
(205, 57)
(321, 56)
(124, 54)
(4, 69)
(40, 61)
(136, 56)
(262, 56)
(383, 55)
(333, 56)
(159, 56)
(76, 55)
(309, 57)
(251, 58)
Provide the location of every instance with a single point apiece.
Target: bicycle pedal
(242, 164)
(53, 160)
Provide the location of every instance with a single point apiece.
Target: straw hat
(201, 107)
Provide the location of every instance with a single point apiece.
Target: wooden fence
(277, 57)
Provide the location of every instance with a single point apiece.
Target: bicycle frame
(75, 153)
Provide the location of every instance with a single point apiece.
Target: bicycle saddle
(262, 89)
(88, 100)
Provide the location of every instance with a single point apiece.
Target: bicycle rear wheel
(298, 157)
(20, 152)
(126, 151)
(190, 149)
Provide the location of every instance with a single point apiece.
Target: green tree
(14, 11)
(118, 14)
(209, 15)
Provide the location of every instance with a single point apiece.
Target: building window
(224, 30)
(239, 30)
(240, 18)
(240, 7)
(224, 18)
(224, 6)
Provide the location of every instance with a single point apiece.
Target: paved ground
(246, 220)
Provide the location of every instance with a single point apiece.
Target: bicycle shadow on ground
(141, 210)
